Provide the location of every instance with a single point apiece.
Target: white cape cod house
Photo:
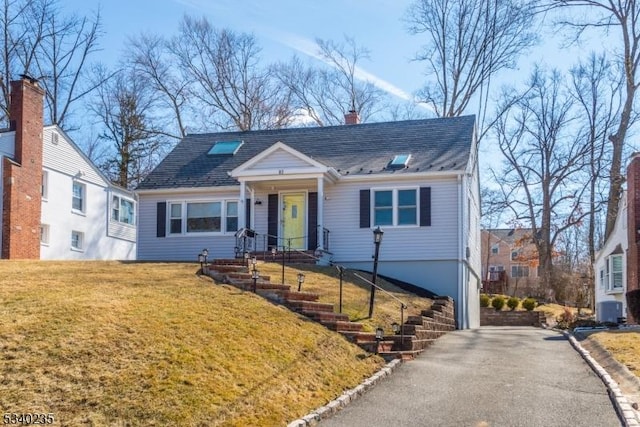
(325, 189)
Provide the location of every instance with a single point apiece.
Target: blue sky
(282, 27)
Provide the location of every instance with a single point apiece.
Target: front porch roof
(281, 162)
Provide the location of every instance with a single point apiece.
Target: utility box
(609, 311)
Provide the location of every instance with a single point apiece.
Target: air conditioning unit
(609, 311)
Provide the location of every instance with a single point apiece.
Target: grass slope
(623, 345)
(107, 343)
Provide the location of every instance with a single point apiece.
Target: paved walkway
(487, 377)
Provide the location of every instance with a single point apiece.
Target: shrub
(633, 304)
(565, 320)
(584, 323)
(497, 303)
(513, 303)
(529, 304)
(484, 300)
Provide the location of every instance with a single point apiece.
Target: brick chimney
(633, 225)
(351, 118)
(22, 175)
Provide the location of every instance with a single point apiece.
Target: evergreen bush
(529, 304)
(497, 302)
(513, 303)
(484, 300)
(633, 304)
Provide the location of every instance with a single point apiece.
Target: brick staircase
(291, 257)
(419, 331)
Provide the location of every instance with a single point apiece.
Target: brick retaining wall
(491, 317)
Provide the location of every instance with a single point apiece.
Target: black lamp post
(341, 272)
(379, 336)
(201, 261)
(300, 281)
(274, 251)
(255, 275)
(377, 239)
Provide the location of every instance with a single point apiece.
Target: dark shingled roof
(442, 144)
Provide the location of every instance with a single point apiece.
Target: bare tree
(227, 78)
(622, 16)
(327, 92)
(124, 105)
(150, 58)
(597, 91)
(62, 60)
(543, 161)
(467, 43)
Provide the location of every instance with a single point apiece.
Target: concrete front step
(225, 268)
(246, 276)
(310, 306)
(228, 261)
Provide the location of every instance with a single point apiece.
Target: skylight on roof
(221, 148)
(400, 161)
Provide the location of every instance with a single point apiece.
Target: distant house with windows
(325, 190)
(510, 262)
(55, 203)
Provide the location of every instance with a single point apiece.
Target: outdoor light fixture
(201, 258)
(377, 239)
(273, 253)
(379, 336)
(396, 327)
(300, 281)
(255, 275)
(254, 261)
(246, 258)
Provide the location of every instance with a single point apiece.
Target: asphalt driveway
(488, 377)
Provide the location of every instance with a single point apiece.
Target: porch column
(320, 212)
(242, 223)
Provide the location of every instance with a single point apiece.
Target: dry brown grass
(355, 293)
(623, 345)
(107, 343)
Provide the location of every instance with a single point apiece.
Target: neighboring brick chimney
(22, 176)
(633, 226)
(351, 118)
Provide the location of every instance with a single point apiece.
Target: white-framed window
(78, 200)
(519, 271)
(515, 254)
(603, 285)
(395, 207)
(615, 273)
(44, 234)
(203, 217)
(45, 185)
(77, 240)
(495, 249)
(123, 210)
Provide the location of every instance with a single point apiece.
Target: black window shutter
(161, 219)
(365, 206)
(247, 221)
(312, 223)
(272, 219)
(425, 206)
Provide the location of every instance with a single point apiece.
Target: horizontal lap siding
(65, 158)
(179, 248)
(350, 243)
(279, 160)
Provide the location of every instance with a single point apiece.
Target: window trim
(119, 219)
(44, 191)
(45, 238)
(183, 217)
(395, 207)
(610, 274)
(521, 268)
(83, 200)
(495, 247)
(80, 246)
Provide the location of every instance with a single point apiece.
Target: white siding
(617, 237)
(350, 243)
(279, 159)
(183, 247)
(65, 164)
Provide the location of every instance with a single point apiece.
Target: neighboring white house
(84, 216)
(610, 267)
(326, 189)
(55, 203)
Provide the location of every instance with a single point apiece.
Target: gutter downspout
(462, 300)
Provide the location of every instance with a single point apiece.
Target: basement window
(400, 161)
(222, 148)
